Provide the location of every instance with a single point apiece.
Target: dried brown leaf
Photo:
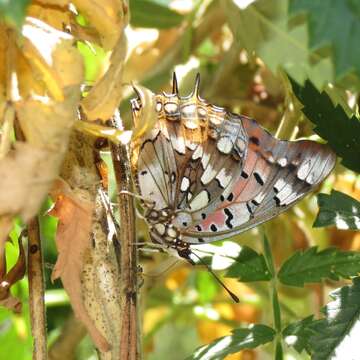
(51, 53)
(72, 241)
(108, 17)
(105, 96)
(41, 62)
(26, 174)
(146, 116)
(147, 55)
(54, 13)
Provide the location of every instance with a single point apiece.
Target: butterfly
(206, 174)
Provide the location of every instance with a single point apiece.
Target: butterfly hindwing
(275, 175)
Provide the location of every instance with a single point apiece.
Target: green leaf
(262, 28)
(297, 334)
(14, 11)
(333, 23)
(331, 123)
(206, 286)
(241, 338)
(334, 334)
(311, 266)
(338, 209)
(153, 14)
(249, 266)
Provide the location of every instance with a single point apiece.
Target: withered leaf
(72, 241)
(108, 17)
(106, 94)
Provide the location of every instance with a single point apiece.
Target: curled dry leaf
(43, 61)
(25, 175)
(144, 57)
(105, 96)
(57, 15)
(8, 279)
(51, 53)
(72, 241)
(108, 17)
(144, 113)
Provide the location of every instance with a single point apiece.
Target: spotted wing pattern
(220, 173)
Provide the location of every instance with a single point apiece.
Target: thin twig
(130, 330)
(36, 291)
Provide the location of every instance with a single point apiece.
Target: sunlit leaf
(338, 209)
(311, 266)
(331, 123)
(297, 334)
(337, 334)
(327, 28)
(241, 338)
(249, 266)
(262, 29)
(153, 14)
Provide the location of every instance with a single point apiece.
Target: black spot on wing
(213, 228)
(144, 172)
(219, 183)
(244, 175)
(249, 208)
(254, 140)
(258, 178)
(230, 197)
(230, 216)
(277, 200)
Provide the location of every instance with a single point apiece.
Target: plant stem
(36, 291)
(130, 330)
(274, 299)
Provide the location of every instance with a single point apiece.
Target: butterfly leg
(137, 196)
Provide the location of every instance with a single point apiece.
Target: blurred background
(242, 49)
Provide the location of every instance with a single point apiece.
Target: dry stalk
(36, 291)
(130, 331)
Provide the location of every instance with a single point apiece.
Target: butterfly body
(208, 174)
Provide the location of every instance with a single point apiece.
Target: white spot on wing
(223, 178)
(197, 153)
(200, 200)
(185, 183)
(304, 170)
(208, 175)
(224, 145)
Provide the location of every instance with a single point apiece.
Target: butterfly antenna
(175, 88)
(233, 296)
